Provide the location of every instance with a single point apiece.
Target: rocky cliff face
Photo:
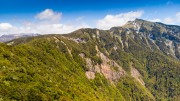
(109, 68)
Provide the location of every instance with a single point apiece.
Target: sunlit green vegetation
(42, 68)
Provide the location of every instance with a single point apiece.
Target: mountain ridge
(117, 64)
(166, 39)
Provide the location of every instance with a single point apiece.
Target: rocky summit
(139, 61)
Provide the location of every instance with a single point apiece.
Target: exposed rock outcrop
(106, 68)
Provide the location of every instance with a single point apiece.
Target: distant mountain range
(139, 61)
(8, 37)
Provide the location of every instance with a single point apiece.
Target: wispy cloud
(178, 16)
(5, 26)
(117, 20)
(175, 19)
(169, 20)
(48, 22)
(156, 20)
(49, 15)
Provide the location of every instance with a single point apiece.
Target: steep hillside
(165, 37)
(121, 64)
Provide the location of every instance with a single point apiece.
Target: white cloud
(5, 26)
(118, 20)
(55, 28)
(80, 18)
(48, 22)
(169, 20)
(44, 28)
(49, 15)
(156, 20)
(174, 19)
(178, 16)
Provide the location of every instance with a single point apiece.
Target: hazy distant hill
(136, 62)
(5, 38)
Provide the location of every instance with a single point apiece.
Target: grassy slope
(42, 69)
(38, 70)
(160, 72)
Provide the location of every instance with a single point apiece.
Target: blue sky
(63, 16)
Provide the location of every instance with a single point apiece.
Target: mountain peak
(139, 20)
(138, 23)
